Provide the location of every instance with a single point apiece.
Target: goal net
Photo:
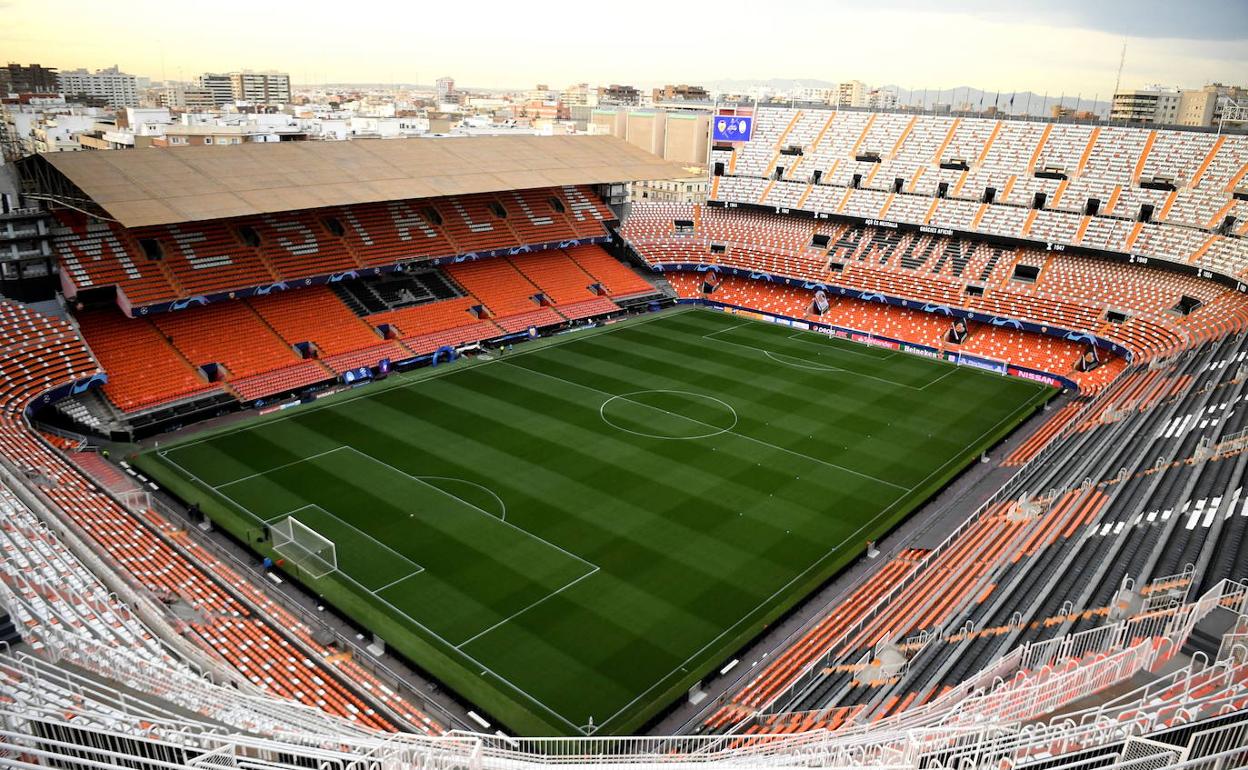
(311, 551)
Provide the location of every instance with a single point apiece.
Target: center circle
(676, 415)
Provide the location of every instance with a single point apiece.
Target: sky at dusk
(1001, 45)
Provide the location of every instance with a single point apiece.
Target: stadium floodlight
(314, 553)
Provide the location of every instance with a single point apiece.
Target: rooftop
(164, 186)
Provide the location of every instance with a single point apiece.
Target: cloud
(1174, 19)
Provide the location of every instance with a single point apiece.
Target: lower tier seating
(144, 369)
(617, 280)
(291, 339)
(237, 625)
(1033, 351)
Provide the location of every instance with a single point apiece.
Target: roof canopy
(163, 186)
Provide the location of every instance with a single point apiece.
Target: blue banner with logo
(732, 128)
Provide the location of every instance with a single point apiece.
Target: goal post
(314, 553)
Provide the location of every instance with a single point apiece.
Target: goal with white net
(311, 551)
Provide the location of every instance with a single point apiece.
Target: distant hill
(1024, 101)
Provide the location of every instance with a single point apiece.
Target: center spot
(668, 414)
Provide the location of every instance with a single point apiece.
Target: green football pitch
(576, 532)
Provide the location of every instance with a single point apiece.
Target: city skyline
(1059, 46)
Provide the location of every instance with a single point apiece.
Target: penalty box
(435, 550)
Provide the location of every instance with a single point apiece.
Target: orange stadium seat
(227, 333)
(164, 263)
(506, 293)
(145, 370)
(617, 280)
(238, 625)
(315, 315)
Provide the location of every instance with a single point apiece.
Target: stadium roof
(163, 186)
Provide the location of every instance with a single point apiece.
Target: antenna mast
(1121, 61)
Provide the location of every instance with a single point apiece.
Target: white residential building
(111, 85)
(217, 84)
(260, 87)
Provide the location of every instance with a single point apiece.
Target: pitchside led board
(732, 128)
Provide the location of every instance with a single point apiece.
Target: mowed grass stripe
(694, 544)
(806, 413)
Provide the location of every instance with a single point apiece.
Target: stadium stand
(166, 263)
(617, 280)
(564, 282)
(990, 586)
(512, 300)
(870, 260)
(935, 170)
(425, 328)
(229, 334)
(1090, 611)
(237, 626)
(1003, 579)
(287, 340)
(145, 370)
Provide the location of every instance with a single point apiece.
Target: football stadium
(920, 443)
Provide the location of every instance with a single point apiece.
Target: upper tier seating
(204, 258)
(895, 163)
(175, 262)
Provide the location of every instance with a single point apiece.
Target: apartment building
(260, 87)
(445, 87)
(1146, 105)
(28, 79)
(191, 98)
(680, 93)
(625, 96)
(219, 85)
(1175, 107)
(111, 86)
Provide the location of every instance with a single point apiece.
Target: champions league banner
(957, 333)
(732, 128)
(1089, 360)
